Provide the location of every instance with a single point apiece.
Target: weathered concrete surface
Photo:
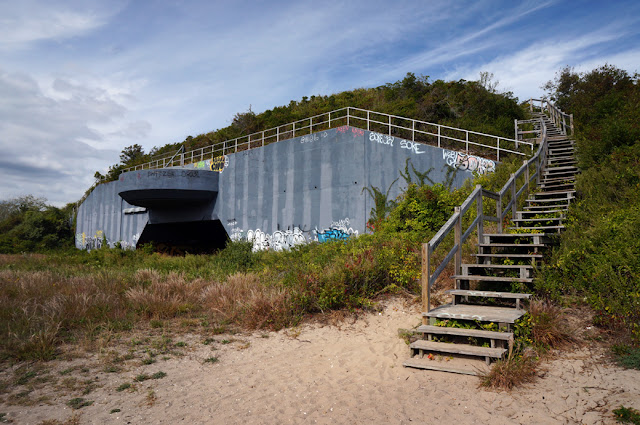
(294, 191)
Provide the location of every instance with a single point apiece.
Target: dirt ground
(347, 373)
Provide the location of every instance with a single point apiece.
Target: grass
(627, 415)
(511, 372)
(123, 387)
(211, 360)
(545, 327)
(627, 356)
(79, 403)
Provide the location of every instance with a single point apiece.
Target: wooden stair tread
(511, 245)
(437, 366)
(503, 255)
(537, 227)
(520, 220)
(488, 294)
(498, 266)
(475, 312)
(476, 333)
(493, 278)
(464, 349)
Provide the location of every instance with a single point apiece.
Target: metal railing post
(439, 135)
(368, 122)
(389, 125)
(413, 130)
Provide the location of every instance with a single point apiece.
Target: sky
(80, 80)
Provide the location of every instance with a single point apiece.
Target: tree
(131, 154)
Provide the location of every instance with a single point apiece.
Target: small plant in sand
(124, 386)
(627, 415)
(79, 403)
(211, 360)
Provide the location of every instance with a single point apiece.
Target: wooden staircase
(492, 295)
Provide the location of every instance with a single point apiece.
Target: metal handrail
(425, 132)
(510, 192)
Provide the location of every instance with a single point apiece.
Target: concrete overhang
(168, 187)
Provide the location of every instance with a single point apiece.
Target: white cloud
(49, 146)
(29, 21)
(524, 72)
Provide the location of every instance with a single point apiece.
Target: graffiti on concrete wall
(98, 240)
(464, 161)
(384, 139)
(338, 230)
(217, 164)
(314, 137)
(287, 239)
(278, 241)
(355, 132)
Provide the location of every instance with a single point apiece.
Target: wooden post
(425, 281)
(526, 175)
(514, 191)
(458, 241)
(571, 123)
(499, 212)
(480, 214)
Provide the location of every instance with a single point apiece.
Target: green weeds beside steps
(627, 415)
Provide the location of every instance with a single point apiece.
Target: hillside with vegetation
(472, 105)
(598, 259)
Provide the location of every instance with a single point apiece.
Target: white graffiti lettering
(99, 240)
(381, 138)
(412, 146)
(278, 241)
(463, 161)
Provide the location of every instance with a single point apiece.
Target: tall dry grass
(41, 309)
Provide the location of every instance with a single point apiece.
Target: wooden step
(521, 214)
(489, 294)
(532, 257)
(549, 201)
(511, 245)
(545, 228)
(418, 363)
(475, 312)
(536, 220)
(524, 270)
(480, 278)
(555, 192)
(556, 205)
(475, 333)
(462, 349)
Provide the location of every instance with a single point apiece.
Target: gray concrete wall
(309, 188)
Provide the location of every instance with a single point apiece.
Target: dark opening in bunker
(193, 237)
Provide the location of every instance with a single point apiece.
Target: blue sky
(81, 80)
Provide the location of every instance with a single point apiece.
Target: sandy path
(348, 374)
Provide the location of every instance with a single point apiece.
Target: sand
(349, 373)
